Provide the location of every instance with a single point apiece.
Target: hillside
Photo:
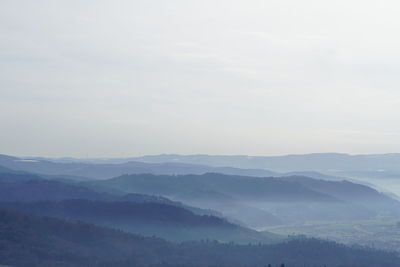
(216, 186)
(283, 198)
(31, 187)
(149, 219)
(35, 241)
(171, 220)
(345, 190)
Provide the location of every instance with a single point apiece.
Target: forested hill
(215, 186)
(293, 199)
(137, 213)
(31, 187)
(33, 241)
(147, 218)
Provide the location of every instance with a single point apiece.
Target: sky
(119, 78)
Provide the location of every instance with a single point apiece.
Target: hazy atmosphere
(129, 78)
(182, 133)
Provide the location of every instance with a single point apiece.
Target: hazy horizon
(200, 154)
(199, 133)
(131, 78)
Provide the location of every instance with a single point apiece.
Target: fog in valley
(184, 133)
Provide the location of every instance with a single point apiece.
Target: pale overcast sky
(127, 78)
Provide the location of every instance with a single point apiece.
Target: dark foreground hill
(27, 240)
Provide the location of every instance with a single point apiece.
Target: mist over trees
(209, 219)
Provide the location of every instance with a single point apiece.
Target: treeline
(27, 240)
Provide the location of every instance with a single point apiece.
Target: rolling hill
(146, 218)
(35, 241)
(138, 213)
(287, 199)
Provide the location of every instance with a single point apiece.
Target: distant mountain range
(334, 164)
(286, 163)
(178, 202)
(235, 194)
(191, 199)
(82, 170)
(325, 162)
(253, 201)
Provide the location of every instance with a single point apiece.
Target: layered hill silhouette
(27, 187)
(318, 165)
(253, 201)
(290, 199)
(28, 240)
(30, 187)
(108, 170)
(330, 162)
(82, 170)
(146, 218)
(138, 213)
